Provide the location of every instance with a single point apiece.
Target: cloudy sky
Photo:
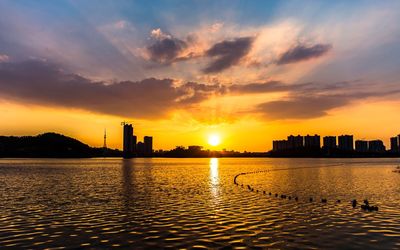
(251, 71)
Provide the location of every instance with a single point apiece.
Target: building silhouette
(329, 142)
(279, 145)
(376, 146)
(346, 142)
(398, 141)
(140, 148)
(310, 146)
(312, 141)
(394, 144)
(132, 148)
(295, 142)
(129, 142)
(292, 142)
(361, 146)
(148, 145)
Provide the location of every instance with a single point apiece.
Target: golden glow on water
(193, 203)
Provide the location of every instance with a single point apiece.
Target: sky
(248, 71)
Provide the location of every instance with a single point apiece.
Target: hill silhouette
(49, 145)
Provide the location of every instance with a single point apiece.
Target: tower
(105, 139)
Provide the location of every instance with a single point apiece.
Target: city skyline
(229, 71)
(341, 142)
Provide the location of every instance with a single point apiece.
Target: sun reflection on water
(214, 177)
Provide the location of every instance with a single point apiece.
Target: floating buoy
(366, 206)
(369, 208)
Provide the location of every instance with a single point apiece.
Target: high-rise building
(361, 146)
(346, 142)
(329, 142)
(140, 148)
(131, 147)
(127, 140)
(134, 147)
(279, 145)
(376, 146)
(394, 144)
(398, 141)
(148, 145)
(295, 141)
(312, 141)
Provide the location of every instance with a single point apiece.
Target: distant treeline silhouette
(198, 152)
(50, 145)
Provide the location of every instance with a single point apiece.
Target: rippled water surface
(193, 203)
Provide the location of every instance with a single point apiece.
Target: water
(193, 203)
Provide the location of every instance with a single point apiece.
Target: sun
(214, 139)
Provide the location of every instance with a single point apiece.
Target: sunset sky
(249, 71)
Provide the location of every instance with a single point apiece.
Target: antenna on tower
(105, 139)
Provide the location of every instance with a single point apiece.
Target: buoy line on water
(365, 206)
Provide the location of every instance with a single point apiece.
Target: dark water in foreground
(193, 203)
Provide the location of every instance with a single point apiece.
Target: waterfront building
(295, 142)
(361, 146)
(140, 148)
(312, 141)
(131, 147)
(134, 141)
(346, 142)
(128, 140)
(329, 142)
(376, 146)
(148, 145)
(398, 141)
(279, 145)
(394, 144)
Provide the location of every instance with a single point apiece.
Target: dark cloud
(305, 100)
(303, 52)
(312, 100)
(41, 83)
(166, 50)
(227, 53)
(302, 107)
(267, 87)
